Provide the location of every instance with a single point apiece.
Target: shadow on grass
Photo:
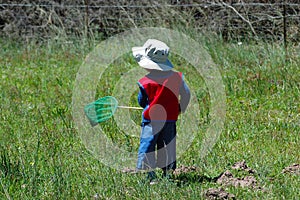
(187, 178)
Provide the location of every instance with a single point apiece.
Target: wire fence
(240, 20)
(143, 6)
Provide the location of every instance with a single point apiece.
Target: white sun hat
(153, 55)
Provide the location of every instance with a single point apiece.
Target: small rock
(96, 196)
(130, 171)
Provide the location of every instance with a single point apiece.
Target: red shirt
(163, 94)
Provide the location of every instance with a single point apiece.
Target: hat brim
(147, 63)
(138, 51)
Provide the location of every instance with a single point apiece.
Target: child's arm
(142, 97)
(185, 96)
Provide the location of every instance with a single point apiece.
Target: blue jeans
(160, 138)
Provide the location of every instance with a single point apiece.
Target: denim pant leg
(166, 145)
(146, 152)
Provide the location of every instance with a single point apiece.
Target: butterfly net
(101, 110)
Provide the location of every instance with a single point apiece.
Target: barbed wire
(157, 18)
(146, 6)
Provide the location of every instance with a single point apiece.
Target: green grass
(42, 156)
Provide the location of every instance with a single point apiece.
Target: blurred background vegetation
(232, 19)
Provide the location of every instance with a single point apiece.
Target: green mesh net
(103, 109)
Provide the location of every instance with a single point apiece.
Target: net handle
(129, 107)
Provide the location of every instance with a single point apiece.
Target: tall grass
(42, 157)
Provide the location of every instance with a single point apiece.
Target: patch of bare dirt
(228, 179)
(184, 169)
(293, 169)
(218, 193)
(242, 166)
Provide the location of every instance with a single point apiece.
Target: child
(163, 95)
